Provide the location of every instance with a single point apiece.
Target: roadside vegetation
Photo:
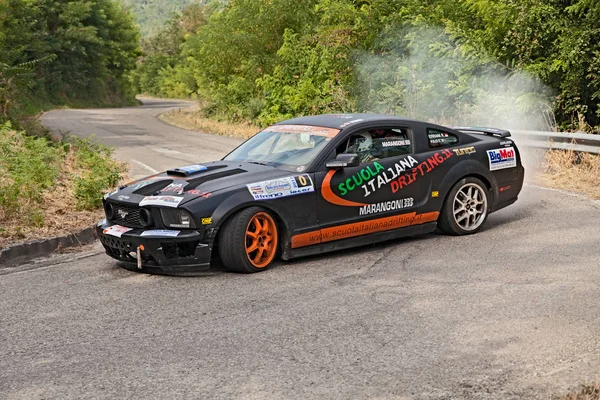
(193, 119)
(578, 172)
(64, 54)
(589, 392)
(54, 54)
(50, 188)
(515, 64)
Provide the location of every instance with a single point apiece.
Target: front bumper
(182, 253)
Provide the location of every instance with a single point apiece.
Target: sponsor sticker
(386, 206)
(312, 130)
(173, 187)
(464, 150)
(393, 143)
(121, 197)
(167, 201)
(435, 194)
(160, 232)
(206, 221)
(116, 230)
(502, 158)
(281, 187)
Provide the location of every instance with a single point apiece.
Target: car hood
(190, 182)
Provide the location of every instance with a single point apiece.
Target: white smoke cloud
(426, 77)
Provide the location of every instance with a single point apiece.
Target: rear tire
(466, 208)
(248, 241)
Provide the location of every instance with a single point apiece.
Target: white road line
(141, 164)
(166, 151)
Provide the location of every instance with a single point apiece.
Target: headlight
(177, 218)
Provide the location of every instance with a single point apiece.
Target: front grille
(126, 215)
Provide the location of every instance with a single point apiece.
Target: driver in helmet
(368, 145)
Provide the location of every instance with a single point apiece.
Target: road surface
(510, 313)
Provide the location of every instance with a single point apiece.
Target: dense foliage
(526, 63)
(64, 52)
(36, 172)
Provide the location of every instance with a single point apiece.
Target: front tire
(249, 241)
(466, 208)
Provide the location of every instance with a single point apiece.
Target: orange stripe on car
(331, 197)
(362, 228)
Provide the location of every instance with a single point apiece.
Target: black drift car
(310, 185)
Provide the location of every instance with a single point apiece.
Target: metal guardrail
(580, 142)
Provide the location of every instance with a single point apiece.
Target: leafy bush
(268, 60)
(28, 167)
(32, 167)
(97, 172)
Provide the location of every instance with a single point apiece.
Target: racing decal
(160, 232)
(464, 150)
(167, 201)
(420, 170)
(198, 193)
(386, 206)
(281, 187)
(312, 130)
(122, 197)
(176, 188)
(502, 158)
(116, 230)
(506, 143)
(362, 228)
(206, 221)
(393, 143)
(331, 197)
(435, 194)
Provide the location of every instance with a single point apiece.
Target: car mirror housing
(344, 160)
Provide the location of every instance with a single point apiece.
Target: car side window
(378, 144)
(439, 138)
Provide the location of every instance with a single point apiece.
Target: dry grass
(578, 172)
(590, 392)
(59, 209)
(192, 119)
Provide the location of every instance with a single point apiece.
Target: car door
(361, 199)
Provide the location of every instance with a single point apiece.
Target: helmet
(364, 142)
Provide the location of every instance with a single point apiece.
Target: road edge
(20, 253)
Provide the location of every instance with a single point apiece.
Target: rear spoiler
(484, 131)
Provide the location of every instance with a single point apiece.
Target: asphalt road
(510, 313)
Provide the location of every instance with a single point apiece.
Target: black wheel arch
(465, 169)
(231, 206)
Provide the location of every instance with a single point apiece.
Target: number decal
(302, 180)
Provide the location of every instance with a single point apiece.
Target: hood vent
(192, 170)
(193, 183)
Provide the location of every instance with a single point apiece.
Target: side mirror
(344, 160)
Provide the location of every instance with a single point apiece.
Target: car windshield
(293, 146)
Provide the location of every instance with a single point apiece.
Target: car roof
(340, 121)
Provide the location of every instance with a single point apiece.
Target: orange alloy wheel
(261, 240)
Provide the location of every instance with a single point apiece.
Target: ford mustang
(311, 185)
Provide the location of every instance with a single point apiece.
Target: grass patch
(589, 392)
(578, 172)
(193, 119)
(48, 188)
